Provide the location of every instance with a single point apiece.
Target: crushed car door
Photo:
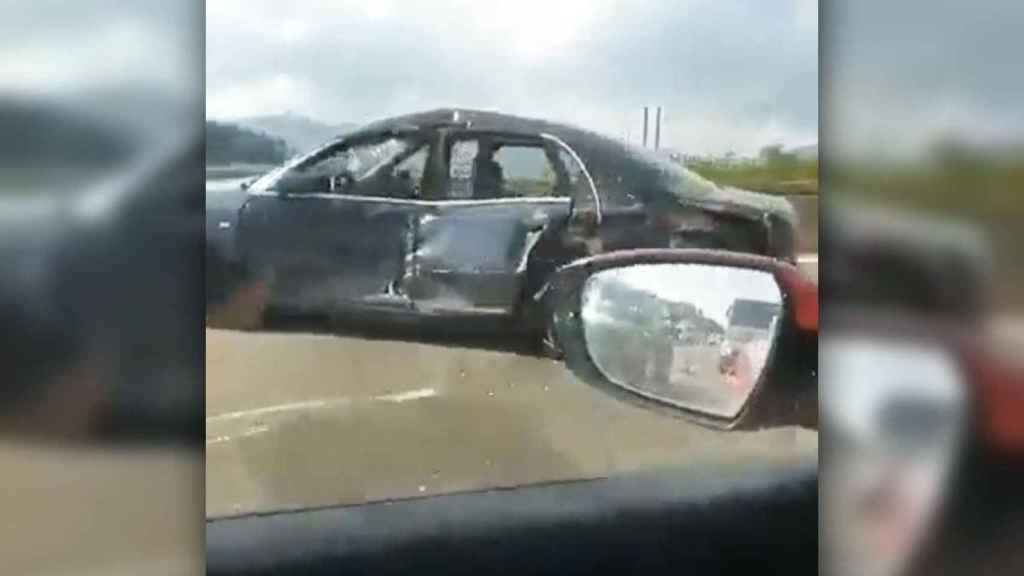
(334, 230)
(502, 195)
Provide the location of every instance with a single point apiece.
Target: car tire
(237, 296)
(244, 309)
(258, 296)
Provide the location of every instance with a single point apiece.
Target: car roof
(486, 120)
(611, 162)
(585, 142)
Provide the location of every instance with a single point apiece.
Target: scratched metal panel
(325, 253)
(473, 258)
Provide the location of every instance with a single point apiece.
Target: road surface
(306, 419)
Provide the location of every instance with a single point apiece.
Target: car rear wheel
(242, 300)
(244, 309)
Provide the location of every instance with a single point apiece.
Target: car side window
(487, 168)
(526, 172)
(407, 174)
(414, 164)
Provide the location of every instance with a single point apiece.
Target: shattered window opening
(413, 167)
(344, 168)
(487, 168)
(527, 172)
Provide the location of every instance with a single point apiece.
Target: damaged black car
(462, 216)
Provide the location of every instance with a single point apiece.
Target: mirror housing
(781, 389)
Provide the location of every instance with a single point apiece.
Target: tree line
(228, 143)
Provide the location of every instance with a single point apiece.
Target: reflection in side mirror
(695, 336)
(897, 414)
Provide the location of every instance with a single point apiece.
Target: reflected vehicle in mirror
(698, 332)
(465, 215)
(653, 328)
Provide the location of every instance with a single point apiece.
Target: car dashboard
(694, 521)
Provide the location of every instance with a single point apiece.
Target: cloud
(730, 75)
(50, 46)
(900, 75)
(136, 66)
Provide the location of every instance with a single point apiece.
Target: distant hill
(230, 144)
(299, 132)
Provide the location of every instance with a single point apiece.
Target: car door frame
(581, 216)
(422, 268)
(324, 298)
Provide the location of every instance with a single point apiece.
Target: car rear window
(484, 169)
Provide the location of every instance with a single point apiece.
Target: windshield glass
(382, 329)
(351, 161)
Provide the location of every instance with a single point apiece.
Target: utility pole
(657, 129)
(645, 126)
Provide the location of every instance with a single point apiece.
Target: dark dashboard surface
(751, 519)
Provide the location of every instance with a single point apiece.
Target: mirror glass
(696, 336)
(897, 415)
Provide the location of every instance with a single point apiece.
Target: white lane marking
(396, 397)
(250, 432)
(309, 405)
(406, 396)
(807, 259)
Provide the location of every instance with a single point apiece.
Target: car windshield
(381, 326)
(354, 161)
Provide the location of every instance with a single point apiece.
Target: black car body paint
(410, 250)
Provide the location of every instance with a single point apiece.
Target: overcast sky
(712, 289)
(898, 75)
(730, 75)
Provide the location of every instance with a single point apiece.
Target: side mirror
(724, 339)
(898, 413)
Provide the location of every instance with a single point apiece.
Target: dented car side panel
(490, 257)
(326, 251)
(473, 257)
